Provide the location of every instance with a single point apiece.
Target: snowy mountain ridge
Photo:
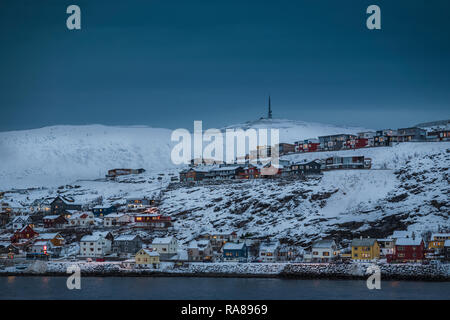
(63, 154)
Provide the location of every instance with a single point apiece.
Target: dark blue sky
(167, 63)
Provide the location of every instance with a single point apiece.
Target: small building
(364, 249)
(306, 168)
(387, 246)
(235, 252)
(26, 233)
(166, 247)
(323, 251)
(140, 203)
(80, 219)
(249, 172)
(307, 145)
(61, 204)
(193, 174)
(100, 211)
(116, 220)
(439, 135)
(200, 250)
(268, 251)
(54, 221)
(147, 258)
(56, 239)
(123, 172)
(39, 250)
(152, 221)
(335, 141)
(226, 172)
(411, 134)
(128, 244)
(96, 245)
(219, 239)
(285, 148)
(352, 162)
(408, 250)
(437, 241)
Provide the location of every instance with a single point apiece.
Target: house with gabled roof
(408, 250)
(166, 246)
(60, 204)
(147, 258)
(235, 252)
(323, 250)
(127, 244)
(54, 221)
(364, 249)
(268, 251)
(20, 221)
(97, 244)
(200, 250)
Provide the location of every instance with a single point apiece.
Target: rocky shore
(410, 272)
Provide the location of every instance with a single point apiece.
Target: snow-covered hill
(62, 154)
(294, 130)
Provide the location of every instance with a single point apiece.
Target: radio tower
(269, 114)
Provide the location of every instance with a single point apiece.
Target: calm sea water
(215, 288)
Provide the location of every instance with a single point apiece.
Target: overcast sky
(166, 63)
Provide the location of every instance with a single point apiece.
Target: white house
(80, 219)
(166, 247)
(323, 251)
(116, 219)
(268, 251)
(97, 244)
(20, 221)
(386, 246)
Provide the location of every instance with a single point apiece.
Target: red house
(408, 250)
(308, 145)
(249, 172)
(54, 221)
(152, 219)
(26, 233)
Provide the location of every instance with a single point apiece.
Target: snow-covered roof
(51, 217)
(269, 246)
(151, 253)
(48, 236)
(165, 240)
(226, 168)
(40, 243)
(447, 243)
(323, 244)
(401, 234)
(197, 244)
(408, 241)
(233, 246)
(95, 236)
(440, 235)
(126, 237)
(365, 242)
(115, 215)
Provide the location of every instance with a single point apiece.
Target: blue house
(100, 211)
(235, 252)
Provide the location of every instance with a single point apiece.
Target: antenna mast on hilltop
(269, 114)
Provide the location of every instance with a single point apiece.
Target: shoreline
(286, 271)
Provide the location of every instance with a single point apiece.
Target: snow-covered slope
(62, 154)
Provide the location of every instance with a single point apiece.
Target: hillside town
(138, 234)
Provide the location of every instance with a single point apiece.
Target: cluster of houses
(400, 247)
(138, 235)
(284, 168)
(379, 138)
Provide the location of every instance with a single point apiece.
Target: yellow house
(365, 249)
(146, 258)
(437, 240)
